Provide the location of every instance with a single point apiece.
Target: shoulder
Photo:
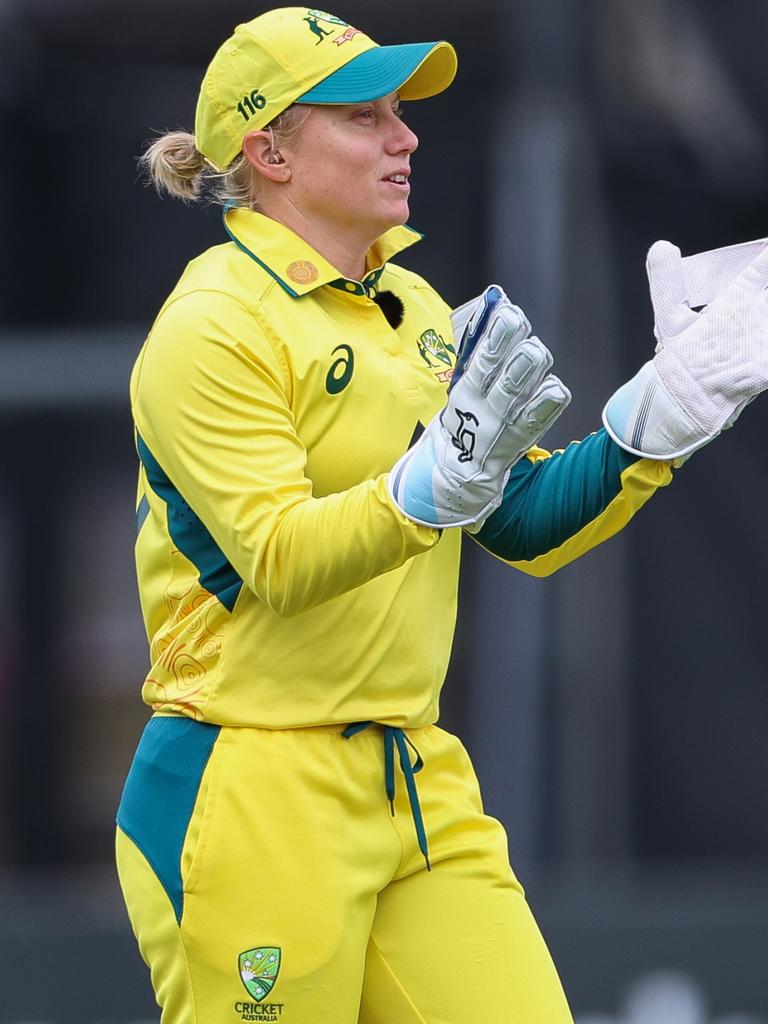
(224, 295)
(222, 271)
(214, 315)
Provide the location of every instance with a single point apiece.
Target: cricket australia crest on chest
(437, 353)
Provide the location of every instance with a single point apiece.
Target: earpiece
(274, 156)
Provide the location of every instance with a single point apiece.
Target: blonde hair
(173, 164)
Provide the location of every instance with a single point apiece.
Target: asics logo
(342, 368)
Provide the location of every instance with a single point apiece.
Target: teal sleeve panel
(142, 512)
(160, 794)
(548, 501)
(190, 534)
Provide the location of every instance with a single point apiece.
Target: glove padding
(695, 280)
(501, 400)
(708, 365)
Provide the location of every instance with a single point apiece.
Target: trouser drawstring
(396, 737)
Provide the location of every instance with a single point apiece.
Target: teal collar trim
(396, 737)
(230, 205)
(364, 287)
(390, 243)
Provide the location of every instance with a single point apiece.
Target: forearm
(323, 547)
(292, 550)
(557, 507)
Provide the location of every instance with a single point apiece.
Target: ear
(257, 149)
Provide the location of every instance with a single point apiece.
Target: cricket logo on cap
(259, 969)
(313, 19)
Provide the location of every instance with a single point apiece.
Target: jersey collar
(295, 265)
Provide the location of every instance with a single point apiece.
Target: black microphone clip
(391, 306)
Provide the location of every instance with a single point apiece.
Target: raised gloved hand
(708, 365)
(501, 400)
(695, 280)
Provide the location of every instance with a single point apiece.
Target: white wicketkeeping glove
(501, 400)
(708, 365)
(704, 274)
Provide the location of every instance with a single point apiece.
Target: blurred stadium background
(618, 712)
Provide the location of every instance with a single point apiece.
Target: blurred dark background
(617, 713)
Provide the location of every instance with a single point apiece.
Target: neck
(344, 247)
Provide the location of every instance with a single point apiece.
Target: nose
(402, 139)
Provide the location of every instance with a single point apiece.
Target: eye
(397, 110)
(366, 114)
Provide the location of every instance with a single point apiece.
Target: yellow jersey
(280, 586)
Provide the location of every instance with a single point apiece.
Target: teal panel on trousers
(160, 793)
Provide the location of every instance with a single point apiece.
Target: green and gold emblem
(434, 350)
(259, 969)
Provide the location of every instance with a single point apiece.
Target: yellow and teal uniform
(300, 628)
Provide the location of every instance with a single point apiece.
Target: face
(350, 167)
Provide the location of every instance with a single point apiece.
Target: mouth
(399, 181)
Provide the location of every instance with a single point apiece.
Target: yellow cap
(301, 55)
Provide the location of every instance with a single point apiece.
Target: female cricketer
(297, 840)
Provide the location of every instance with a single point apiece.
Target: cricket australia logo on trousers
(464, 438)
(258, 970)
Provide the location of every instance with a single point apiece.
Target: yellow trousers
(267, 878)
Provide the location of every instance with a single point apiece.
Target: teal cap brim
(415, 70)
